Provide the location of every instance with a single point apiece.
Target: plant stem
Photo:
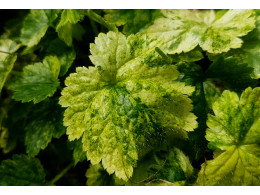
(61, 174)
(94, 27)
(97, 18)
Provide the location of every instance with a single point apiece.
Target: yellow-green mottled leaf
(22, 171)
(37, 81)
(7, 58)
(183, 30)
(7, 47)
(234, 129)
(6, 67)
(117, 106)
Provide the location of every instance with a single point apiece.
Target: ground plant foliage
(130, 97)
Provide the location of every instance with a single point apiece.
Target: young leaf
(69, 17)
(38, 81)
(235, 130)
(183, 30)
(22, 171)
(118, 105)
(36, 24)
(45, 123)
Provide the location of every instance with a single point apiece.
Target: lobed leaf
(118, 106)
(37, 81)
(235, 130)
(183, 30)
(22, 171)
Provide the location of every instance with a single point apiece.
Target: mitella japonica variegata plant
(130, 97)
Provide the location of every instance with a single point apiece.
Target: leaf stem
(5, 52)
(61, 174)
(162, 54)
(97, 18)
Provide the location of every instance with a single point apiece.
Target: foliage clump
(130, 97)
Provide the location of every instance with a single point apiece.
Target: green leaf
(65, 54)
(196, 145)
(171, 166)
(134, 21)
(252, 57)
(235, 130)
(97, 176)
(3, 131)
(5, 144)
(36, 24)
(78, 154)
(212, 93)
(45, 123)
(37, 81)
(156, 168)
(22, 171)
(183, 30)
(231, 72)
(14, 115)
(69, 17)
(93, 16)
(120, 106)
